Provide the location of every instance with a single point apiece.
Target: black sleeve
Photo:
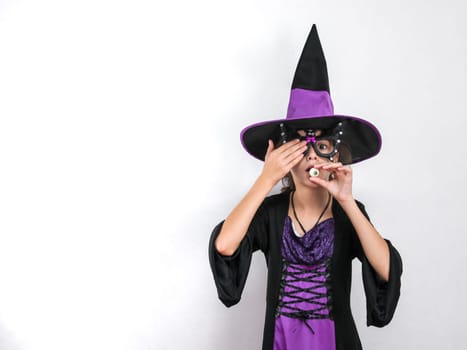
(381, 296)
(230, 272)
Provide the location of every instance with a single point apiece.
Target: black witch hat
(310, 107)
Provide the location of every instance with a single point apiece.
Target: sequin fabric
(313, 247)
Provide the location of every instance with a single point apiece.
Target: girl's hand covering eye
(278, 161)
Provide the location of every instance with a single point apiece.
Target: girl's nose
(311, 154)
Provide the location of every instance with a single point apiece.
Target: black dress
(265, 234)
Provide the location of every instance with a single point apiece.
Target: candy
(313, 172)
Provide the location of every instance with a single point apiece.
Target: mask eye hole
(324, 146)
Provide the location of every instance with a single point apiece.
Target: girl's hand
(279, 161)
(340, 185)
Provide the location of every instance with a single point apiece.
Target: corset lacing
(321, 301)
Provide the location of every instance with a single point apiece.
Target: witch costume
(309, 276)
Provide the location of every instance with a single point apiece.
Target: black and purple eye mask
(325, 145)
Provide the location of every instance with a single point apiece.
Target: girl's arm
(277, 164)
(374, 246)
(236, 224)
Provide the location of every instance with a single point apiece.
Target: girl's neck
(311, 199)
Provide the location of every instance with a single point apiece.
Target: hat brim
(360, 136)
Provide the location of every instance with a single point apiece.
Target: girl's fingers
(298, 156)
(281, 148)
(270, 149)
(325, 165)
(340, 169)
(290, 146)
(290, 151)
(283, 158)
(344, 169)
(296, 152)
(334, 167)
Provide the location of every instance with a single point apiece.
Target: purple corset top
(305, 289)
(312, 248)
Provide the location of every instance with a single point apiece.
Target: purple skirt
(291, 334)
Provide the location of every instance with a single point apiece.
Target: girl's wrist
(265, 182)
(346, 202)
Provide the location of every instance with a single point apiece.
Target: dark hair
(345, 154)
(287, 183)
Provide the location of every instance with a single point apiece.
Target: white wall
(119, 151)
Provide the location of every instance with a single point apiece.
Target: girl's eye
(322, 146)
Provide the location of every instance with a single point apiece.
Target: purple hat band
(308, 103)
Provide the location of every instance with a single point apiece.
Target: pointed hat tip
(311, 72)
(314, 30)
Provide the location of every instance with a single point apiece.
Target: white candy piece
(314, 172)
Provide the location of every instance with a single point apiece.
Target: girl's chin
(310, 184)
(313, 185)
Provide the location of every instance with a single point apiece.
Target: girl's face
(300, 172)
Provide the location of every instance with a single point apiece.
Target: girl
(311, 231)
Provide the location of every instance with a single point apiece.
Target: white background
(119, 152)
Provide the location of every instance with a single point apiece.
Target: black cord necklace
(295, 213)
